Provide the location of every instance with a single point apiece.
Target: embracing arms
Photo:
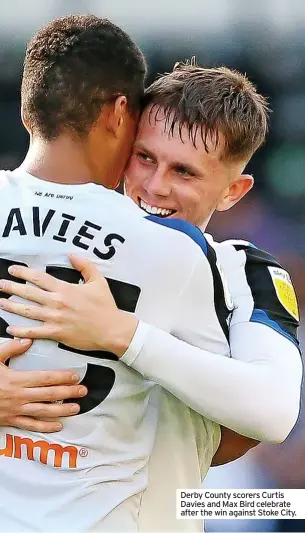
(26, 397)
(255, 392)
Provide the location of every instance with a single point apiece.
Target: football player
(198, 131)
(82, 90)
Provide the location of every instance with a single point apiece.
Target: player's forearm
(121, 334)
(259, 398)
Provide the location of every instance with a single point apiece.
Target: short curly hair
(211, 101)
(73, 66)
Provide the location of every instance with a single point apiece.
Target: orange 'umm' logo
(15, 445)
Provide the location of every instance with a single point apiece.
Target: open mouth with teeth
(156, 211)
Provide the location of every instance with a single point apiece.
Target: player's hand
(23, 393)
(82, 316)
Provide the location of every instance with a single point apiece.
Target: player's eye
(183, 171)
(144, 157)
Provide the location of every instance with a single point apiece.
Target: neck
(62, 160)
(203, 225)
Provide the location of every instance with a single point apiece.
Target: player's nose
(157, 184)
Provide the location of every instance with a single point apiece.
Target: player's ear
(236, 190)
(25, 122)
(117, 115)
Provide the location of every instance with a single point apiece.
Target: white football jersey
(132, 441)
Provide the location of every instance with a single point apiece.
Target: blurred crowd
(272, 216)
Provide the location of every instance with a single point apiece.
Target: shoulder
(203, 242)
(250, 251)
(262, 288)
(265, 275)
(184, 228)
(245, 255)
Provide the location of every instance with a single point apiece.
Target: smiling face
(168, 176)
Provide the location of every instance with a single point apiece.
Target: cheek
(188, 197)
(195, 204)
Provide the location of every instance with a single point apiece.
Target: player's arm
(257, 283)
(27, 396)
(262, 283)
(256, 392)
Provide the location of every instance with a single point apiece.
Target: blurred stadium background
(266, 40)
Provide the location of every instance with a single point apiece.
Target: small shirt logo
(285, 291)
(48, 453)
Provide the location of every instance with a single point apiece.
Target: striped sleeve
(266, 294)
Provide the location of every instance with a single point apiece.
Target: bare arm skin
(27, 396)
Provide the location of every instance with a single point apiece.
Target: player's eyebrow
(187, 166)
(139, 145)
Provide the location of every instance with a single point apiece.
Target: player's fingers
(41, 279)
(31, 424)
(44, 378)
(28, 292)
(52, 410)
(35, 312)
(33, 332)
(14, 347)
(53, 394)
(87, 269)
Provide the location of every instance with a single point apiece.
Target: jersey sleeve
(263, 293)
(202, 314)
(204, 298)
(243, 392)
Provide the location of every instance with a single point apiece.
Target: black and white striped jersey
(261, 289)
(256, 392)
